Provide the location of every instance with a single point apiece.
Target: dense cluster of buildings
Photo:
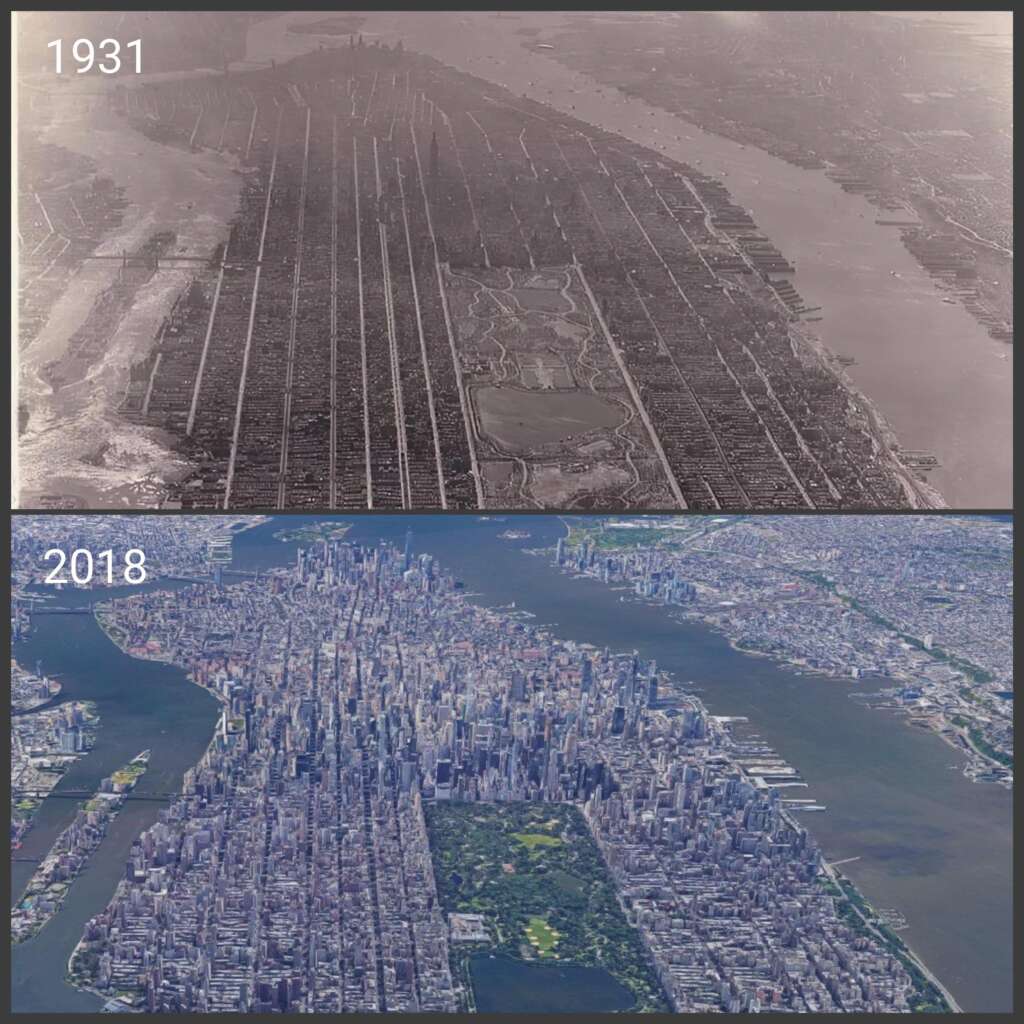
(64, 210)
(925, 600)
(294, 871)
(29, 690)
(315, 363)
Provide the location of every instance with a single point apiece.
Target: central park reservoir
(501, 984)
(930, 843)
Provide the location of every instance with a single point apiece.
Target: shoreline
(69, 978)
(834, 876)
(78, 439)
(920, 493)
(799, 666)
(49, 781)
(677, 613)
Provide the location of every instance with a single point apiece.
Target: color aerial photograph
(270, 763)
(716, 261)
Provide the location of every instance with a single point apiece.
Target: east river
(930, 843)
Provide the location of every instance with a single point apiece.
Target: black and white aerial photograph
(339, 260)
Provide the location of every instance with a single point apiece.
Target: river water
(931, 844)
(142, 705)
(929, 367)
(195, 195)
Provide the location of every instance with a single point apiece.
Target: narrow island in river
(70, 854)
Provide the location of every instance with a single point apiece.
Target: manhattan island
(438, 294)
(364, 701)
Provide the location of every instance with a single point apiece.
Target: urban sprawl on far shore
(925, 600)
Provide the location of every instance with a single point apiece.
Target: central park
(557, 934)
